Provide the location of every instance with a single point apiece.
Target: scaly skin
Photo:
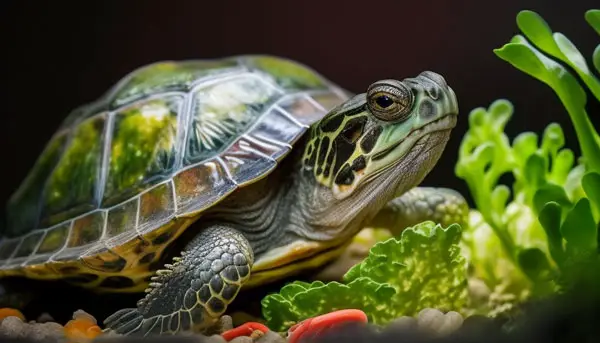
(360, 157)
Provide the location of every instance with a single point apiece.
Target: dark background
(57, 55)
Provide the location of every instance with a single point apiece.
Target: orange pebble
(11, 312)
(94, 331)
(77, 329)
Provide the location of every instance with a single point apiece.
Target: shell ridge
(219, 160)
(255, 151)
(138, 212)
(108, 135)
(65, 243)
(289, 116)
(184, 118)
(174, 195)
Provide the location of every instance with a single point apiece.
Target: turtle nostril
(435, 77)
(433, 92)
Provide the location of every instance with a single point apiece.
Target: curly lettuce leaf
(300, 300)
(486, 154)
(428, 261)
(572, 232)
(400, 276)
(545, 226)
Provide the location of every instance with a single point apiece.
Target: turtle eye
(390, 100)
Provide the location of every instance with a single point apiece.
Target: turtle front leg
(193, 292)
(440, 205)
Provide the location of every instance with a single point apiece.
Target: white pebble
(430, 319)
(271, 337)
(45, 332)
(13, 327)
(452, 321)
(82, 315)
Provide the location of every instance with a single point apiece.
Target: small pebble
(430, 319)
(478, 290)
(242, 339)
(225, 323)
(271, 337)
(256, 334)
(46, 332)
(453, 321)
(45, 318)
(82, 315)
(13, 327)
(434, 320)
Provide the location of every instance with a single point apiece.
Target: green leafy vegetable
(531, 59)
(546, 229)
(505, 242)
(423, 268)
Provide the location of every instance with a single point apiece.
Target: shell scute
(277, 127)
(7, 248)
(71, 187)
(245, 162)
(143, 147)
(28, 244)
(198, 187)
(220, 112)
(289, 74)
(24, 206)
(121, 219)
(328, 100)
(87, 229)
(157, 205)
(168, 76)
(53, 240)
(302, 108)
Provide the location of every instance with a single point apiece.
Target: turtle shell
(168, 141)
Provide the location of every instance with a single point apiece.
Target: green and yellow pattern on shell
(71, 186)
(54, 240)
(289, 74)
(220, 112)
(168, 75)
(142, 149)
(23, 207)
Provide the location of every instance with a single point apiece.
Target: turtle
(192, 179)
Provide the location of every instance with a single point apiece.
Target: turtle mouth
(444, 123)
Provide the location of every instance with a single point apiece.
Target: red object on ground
(313, 327)
(244, 330)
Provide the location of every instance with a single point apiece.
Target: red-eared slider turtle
(277, 167)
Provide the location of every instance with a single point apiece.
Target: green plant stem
(587, 136)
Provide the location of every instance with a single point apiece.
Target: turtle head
(378, 144)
